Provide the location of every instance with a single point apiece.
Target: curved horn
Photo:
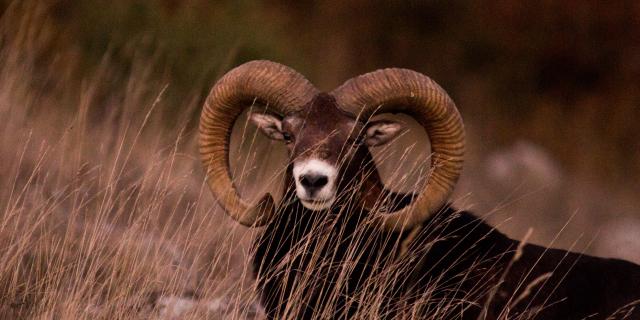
(402, 90)
(278, 86)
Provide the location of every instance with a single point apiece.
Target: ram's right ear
(381, 132)
(269, 124)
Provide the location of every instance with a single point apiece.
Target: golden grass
(103, 210)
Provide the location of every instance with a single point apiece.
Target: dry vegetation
(103, 214)
(103, 210)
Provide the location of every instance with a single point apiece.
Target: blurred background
(549, 90)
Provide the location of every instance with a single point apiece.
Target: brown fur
(452, 259)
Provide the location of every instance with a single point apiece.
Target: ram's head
(328, 134)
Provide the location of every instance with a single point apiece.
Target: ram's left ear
(380, 132)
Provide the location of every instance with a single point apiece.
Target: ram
(340, 244)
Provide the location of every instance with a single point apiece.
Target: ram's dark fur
(456, 260)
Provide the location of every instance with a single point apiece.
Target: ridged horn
(410, 92)
(279, 87)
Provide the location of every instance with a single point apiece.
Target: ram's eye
(287, 137)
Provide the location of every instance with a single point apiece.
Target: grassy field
(104, 213)
(103, 209)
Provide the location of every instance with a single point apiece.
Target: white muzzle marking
(322, 197)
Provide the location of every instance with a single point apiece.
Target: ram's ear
(380, 132)
(269, 124)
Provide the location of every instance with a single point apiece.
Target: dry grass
(104, 213)
(102, 209)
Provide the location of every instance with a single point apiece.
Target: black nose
(313, 182)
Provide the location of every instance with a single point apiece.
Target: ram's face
(325, 144)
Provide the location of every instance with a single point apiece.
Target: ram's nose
(313, 182)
